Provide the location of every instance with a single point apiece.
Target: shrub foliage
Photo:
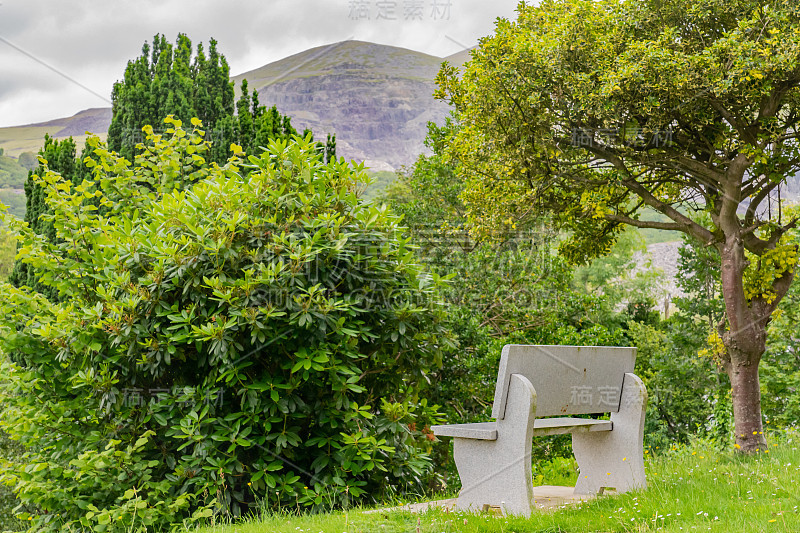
(223, 337)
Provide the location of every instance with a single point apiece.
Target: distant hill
(95, 120)
(377, 100)
(18, 139)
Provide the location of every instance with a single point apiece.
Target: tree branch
(749, 215)
(649, 224)
(735, 124)
(686, 224)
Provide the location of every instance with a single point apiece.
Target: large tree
(598, 110)
(166, 80)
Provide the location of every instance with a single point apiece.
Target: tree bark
(745, 337)
(747, 407)
(745, 341)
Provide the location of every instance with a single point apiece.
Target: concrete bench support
(498, 472)
(494, 458)
(615, 459)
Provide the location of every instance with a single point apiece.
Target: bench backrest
(569, 380)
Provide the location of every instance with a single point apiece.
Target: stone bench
(534, 382)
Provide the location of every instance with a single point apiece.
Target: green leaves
(591, 110)
(215, 327)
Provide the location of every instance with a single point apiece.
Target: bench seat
(541, 427)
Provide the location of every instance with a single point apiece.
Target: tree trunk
(745, 341)
(747, 407)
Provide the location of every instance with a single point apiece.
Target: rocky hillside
(376, 99)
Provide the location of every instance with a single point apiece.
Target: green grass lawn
(691, 488)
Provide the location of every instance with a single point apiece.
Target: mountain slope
(18, 139)
(377, 99)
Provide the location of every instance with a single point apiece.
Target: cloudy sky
(58, 57)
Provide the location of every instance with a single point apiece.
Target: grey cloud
(19, 77)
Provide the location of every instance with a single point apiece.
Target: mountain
(18, 139)
(459, 58)
(377, 99)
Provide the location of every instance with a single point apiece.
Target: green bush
(8, 501)
(224, 338)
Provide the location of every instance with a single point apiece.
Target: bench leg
(615, 459)
(498, 472)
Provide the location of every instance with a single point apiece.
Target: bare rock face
(376, 99)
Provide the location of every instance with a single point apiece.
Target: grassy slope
(692, 488)
(16, 140)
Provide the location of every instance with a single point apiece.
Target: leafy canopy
(596, 109)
